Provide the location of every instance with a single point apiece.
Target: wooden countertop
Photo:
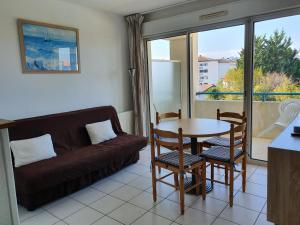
(5, 123)
(285, 141)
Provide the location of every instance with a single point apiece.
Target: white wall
(104, 78)
(236, 10)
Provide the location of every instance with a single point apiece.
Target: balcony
(265, 114)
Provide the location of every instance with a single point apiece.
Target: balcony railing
(263, 95)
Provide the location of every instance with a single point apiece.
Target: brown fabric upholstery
(172, 158)
(221, 141)
(221, 153)
(78, 163)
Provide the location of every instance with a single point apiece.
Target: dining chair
(177, 162)
(233, 118)
(229, 156)
(171, 115)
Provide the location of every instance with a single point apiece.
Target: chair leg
(176, 181)
(198, 180)
(231, 176)
(226, 175)
(203, 174)
(244, 173)
(154, 182)
(158, 154)
(212, 174)
(181, 192)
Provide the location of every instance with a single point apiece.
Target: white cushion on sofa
(32, 150)
(101, 131)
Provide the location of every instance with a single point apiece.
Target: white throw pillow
(101, 131)
(32, 150)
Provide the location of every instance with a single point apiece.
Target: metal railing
(263, 95)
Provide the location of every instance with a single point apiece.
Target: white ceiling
(126, 7)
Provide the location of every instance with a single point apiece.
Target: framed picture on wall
(48, 48)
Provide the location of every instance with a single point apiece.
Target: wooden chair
(176, 161)
(170, 115)
(229, 156)
(233, 118)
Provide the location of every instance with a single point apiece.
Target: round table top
(196, 128)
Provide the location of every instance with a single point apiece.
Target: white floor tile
(126, 193)
(25, 214)
(137, 169)
(167, 209)
(60, 223)
(107, 221)
(43, 218)
(262, 220)
(145, 200)
(124, 177)
(256, 189)
(141, 183)
(258, 178)
(220, 192)
(249, 201)
(63, 207)
(188, 199)
(162, 190)
(127, 213)
(193, 216)
(239, 215)
(107, 204)
(85, 216)
(107, 185)
(220, 221)
(264, 210)
(262, 170)
(87, 195)
(152, 219)
(209, 205)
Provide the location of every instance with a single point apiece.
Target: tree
(263, 83)
(275, 54)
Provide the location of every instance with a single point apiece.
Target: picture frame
(47, 48)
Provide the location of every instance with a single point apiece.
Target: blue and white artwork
(49, 49)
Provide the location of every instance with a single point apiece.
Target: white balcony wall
(264, 113)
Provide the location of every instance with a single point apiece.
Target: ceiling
(126, 7)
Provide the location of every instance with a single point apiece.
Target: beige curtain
(137, 72)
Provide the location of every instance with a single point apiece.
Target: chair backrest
(167, 115)
(157, 139)
(238, 133)
(232, 117)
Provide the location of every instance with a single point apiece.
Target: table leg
(191, 181)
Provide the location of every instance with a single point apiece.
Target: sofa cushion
(100, 131)
(32, 150)
(78, 163)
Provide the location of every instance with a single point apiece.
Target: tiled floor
(126, 198)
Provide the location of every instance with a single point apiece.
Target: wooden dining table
(195, 128)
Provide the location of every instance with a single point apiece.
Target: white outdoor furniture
(288, 111)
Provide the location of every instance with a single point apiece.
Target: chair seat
(185, 140)
(221, 153)
(221, 141)
(172, 158)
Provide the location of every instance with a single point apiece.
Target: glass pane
(218, 73)
(167, 62)
(276, 99)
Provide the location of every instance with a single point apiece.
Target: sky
(228, 42)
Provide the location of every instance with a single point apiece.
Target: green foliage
(275, 54)
(263, 83)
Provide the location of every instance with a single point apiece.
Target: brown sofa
(78, 163)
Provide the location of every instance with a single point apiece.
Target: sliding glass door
(276, 87)
(218, 71)
(168, 75)
(252, 65)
